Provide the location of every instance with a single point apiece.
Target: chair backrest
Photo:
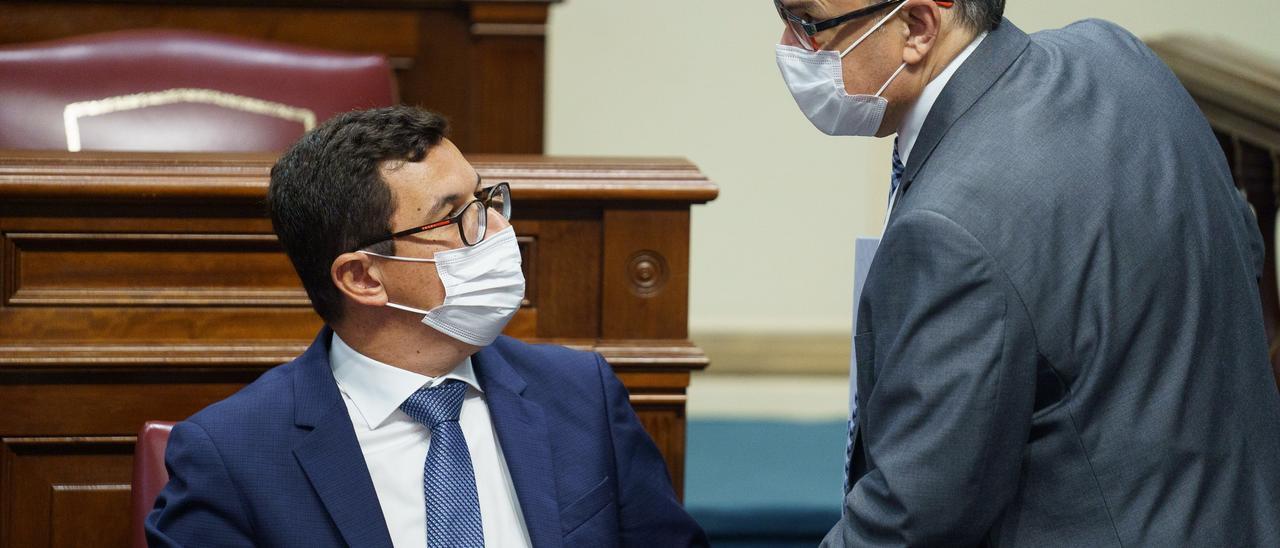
(149, 476)
(169, 90)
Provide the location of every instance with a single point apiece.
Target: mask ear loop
(407, 308)
(405, 259)
(394, 258)
(873, 29)
(891, 78)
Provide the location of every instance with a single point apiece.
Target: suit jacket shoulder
(267, 398)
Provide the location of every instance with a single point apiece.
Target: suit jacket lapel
(522, 432)
(330, 454)
(988, 63)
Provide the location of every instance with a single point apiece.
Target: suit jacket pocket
(587, 506)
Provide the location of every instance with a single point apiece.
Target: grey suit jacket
(1061, 341)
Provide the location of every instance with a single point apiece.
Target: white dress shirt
(395, 447)
(915, 117)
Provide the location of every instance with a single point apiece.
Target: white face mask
(816, 81)
(483, 288)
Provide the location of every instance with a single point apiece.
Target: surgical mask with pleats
(816, 81)
(483, 288)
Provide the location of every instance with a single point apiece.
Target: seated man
(410, 421)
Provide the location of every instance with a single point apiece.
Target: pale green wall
(697, 78)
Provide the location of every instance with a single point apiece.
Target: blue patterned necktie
(895, 180)
(448, 479)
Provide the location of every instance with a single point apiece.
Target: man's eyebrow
(790, 5)
(441, 203)
(445, 201)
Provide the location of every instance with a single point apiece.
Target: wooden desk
(147, 286)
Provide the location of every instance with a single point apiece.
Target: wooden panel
(646, 273)
(563, 285)
(79, 324)
(152, 269)
(666, 425)
(82, 403)
(89, 515)
(507, 69)
(440, 79)
(77, 484)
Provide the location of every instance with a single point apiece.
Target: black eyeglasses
(805, 29)
(472, 221)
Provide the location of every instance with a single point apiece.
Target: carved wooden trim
(72, 442)
(659, 399)
(508, 29)
(656, 355)
(649, 272)
(133, 176)
(160, 297)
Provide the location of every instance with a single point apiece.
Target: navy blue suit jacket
(278, 464)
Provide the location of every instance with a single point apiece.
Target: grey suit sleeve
(952, 379)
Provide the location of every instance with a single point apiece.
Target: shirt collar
(378, 389)
(915, 118)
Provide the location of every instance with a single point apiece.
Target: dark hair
(980, 15)
(327, 195)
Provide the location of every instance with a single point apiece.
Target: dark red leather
(38, 80)
(149, 475)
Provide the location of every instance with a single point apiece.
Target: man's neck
(949, 45)
(913, 118)
(410, 346)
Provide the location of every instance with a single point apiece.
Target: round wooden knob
(648, 272)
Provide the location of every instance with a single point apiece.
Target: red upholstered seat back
(149, 475)
(164, 90)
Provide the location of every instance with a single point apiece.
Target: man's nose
(788, 37)
(497, 221)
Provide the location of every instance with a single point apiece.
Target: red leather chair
(149, 475)
(168, 90)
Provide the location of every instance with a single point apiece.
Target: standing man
(1060, 338)
(411, 421)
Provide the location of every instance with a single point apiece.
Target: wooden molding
(132, 176)
(630, 355)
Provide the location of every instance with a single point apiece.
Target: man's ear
(358, 277)
(923, 19)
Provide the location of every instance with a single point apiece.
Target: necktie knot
(436, 405)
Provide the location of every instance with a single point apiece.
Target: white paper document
(864, 250)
